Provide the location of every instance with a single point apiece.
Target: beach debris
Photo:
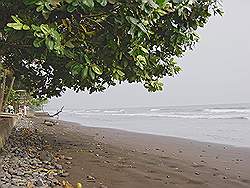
(66, 184)
(78, 185)
(197, 173)
(227, 168)
(68, 158)
(238, 160)
(224, 177)
(168, 176)
(49, 123)
(91, 179)
(64, 174)
(68, 162)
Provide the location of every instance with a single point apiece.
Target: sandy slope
(120, 159)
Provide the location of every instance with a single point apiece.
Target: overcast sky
(216, 72)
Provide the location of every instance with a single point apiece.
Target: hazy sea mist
(225, 124)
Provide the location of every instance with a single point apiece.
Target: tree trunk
(2, 90)
(6, 97)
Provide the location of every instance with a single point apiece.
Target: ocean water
(224, 124)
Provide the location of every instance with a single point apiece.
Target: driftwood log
(58, 112)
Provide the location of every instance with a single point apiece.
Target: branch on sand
(58, 112)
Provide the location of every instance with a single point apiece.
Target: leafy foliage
(92, 44)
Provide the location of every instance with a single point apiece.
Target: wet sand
(119, 159)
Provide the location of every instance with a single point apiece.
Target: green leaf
(88, 3)
(153, 4)
(76, 69)
(16, 26)
(91, 74)
(38, 42)
(69, 54)
(16, 19)
(144, 50)
(133, 20)
(49, 43)
(35, 28)
(45, 29)
(30, 2)
(71, 8)
(40, 8)
(85, 72)
(141, 58)
(87, 59)
(143, 28)
(55, 35)
(97, 69)
(69, 44)
(102, 2)
(47, 5)
(26, 27)
(120, 73)
(161, 2)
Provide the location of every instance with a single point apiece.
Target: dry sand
(120, 159)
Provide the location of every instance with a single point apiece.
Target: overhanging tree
(90, 45)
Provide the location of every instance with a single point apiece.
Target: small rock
(65, 174)
(90, 179)
(197, 173)
(39, 183)
(68, 158)
(59, 167)
(49, 123)
(45, 156)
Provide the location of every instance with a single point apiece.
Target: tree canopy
(89, 45)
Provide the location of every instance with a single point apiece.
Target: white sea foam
(154, 109)
(229, 110)
(185, 116)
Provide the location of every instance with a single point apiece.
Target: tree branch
(57, 113)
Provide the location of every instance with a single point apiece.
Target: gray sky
(217, 71)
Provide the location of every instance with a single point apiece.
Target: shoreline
(111, 158)
(155, 135)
